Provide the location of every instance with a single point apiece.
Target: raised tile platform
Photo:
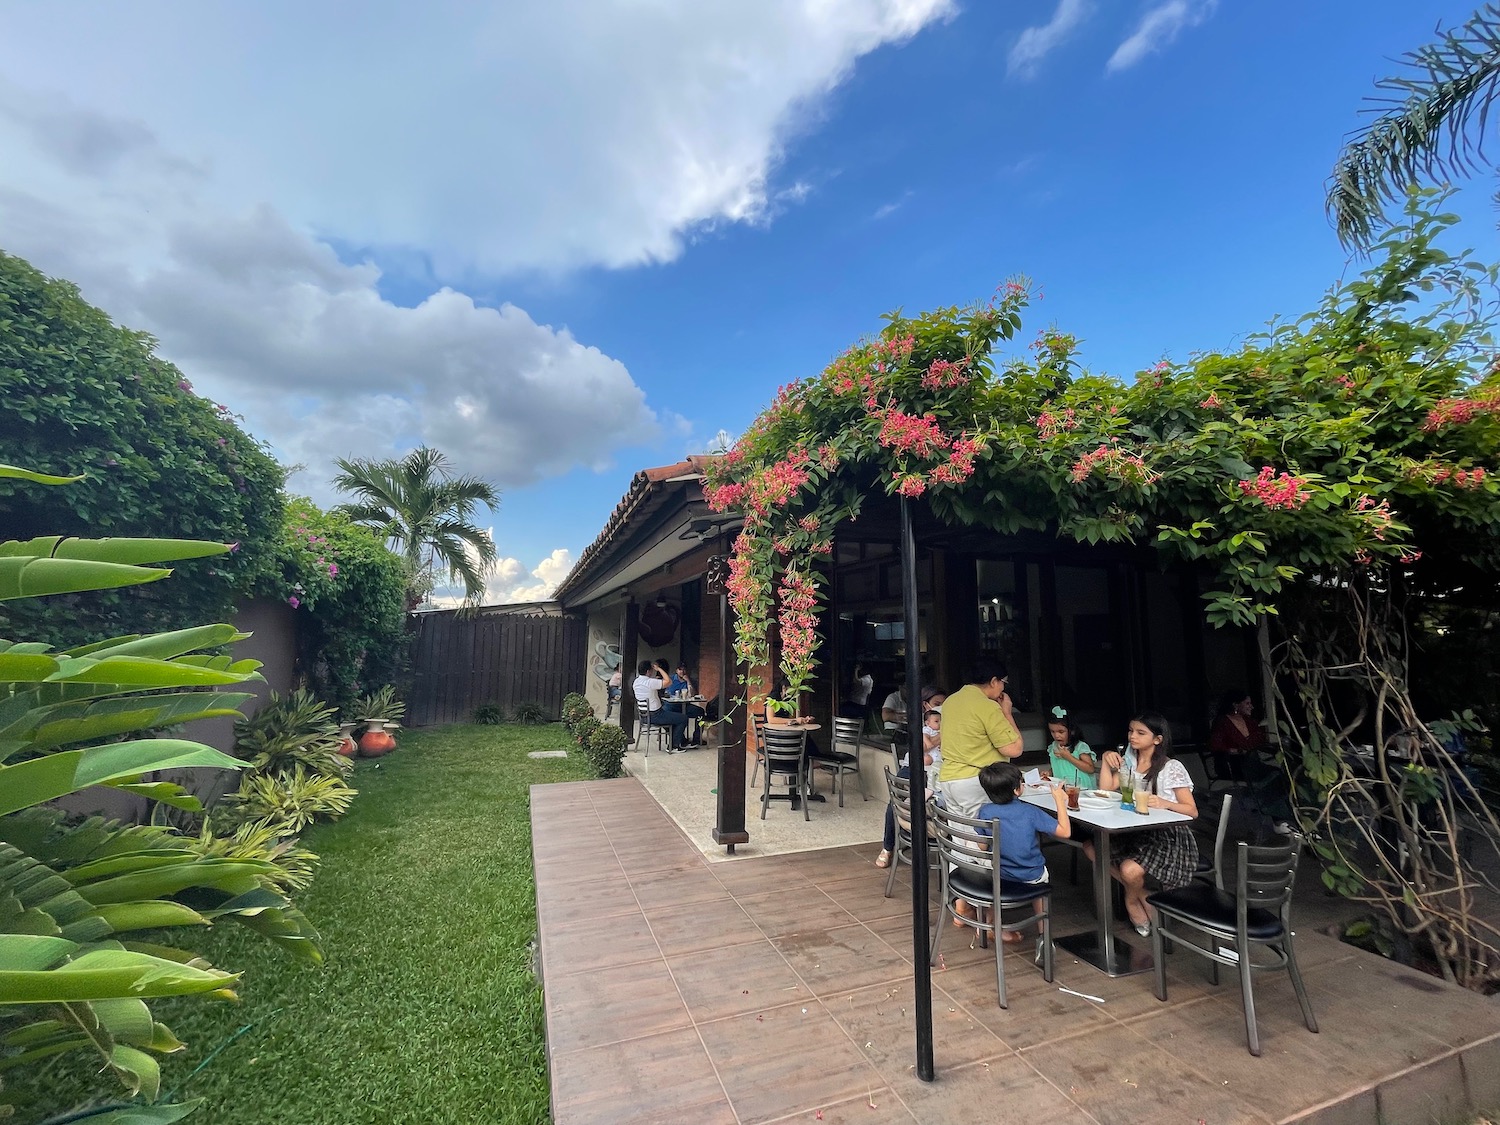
(779, 988)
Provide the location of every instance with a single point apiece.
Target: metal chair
(786, 754)
(758, 743)
(900, 788)
(840, 763)
(647, 730)
(968, 857)
(1256, 914)
(1212, 870)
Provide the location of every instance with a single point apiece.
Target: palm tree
(1433, 123)
(427, 515)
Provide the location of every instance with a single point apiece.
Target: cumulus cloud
(1159, 27)
(1036, 43)
(510, 581)
(538, 134)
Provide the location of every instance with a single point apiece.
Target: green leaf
(56, 775)
(124, 917)
(106, 974)
(15, 473)
(140, 1114)
(131, 552)
(32, 577)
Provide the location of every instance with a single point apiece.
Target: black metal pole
(920, 940)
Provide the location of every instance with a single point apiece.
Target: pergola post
(920, 941)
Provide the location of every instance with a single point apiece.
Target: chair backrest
(965, 841)
(846, 732)
(784, 744)
(642, 709)
(1223, 831)
(1265, 875)
(900, 788)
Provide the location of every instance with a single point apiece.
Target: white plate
(1096, 803)
(1108, 795)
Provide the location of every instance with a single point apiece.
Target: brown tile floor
(780, 989)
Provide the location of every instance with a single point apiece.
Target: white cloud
(544, 134)
(1036, 43)
(509, 581)
(1158, 28)
(886, 210)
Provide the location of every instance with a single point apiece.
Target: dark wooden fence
(463, 662)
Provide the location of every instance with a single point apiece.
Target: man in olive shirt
(977, 730)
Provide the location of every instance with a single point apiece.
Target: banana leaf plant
(85, 910)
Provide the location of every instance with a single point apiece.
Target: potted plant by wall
(347, 746)
(379, 713)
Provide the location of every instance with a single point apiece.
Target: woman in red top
(1235, 732)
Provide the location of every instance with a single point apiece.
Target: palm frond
(1433, 124)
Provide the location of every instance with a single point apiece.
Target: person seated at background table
(893, 710)
(682, 685)
(856, 704)
(1235, 735)
(1071, 760)
(1019, 849)
(651, 680)
(978, 729)
(1169, 854)
(931, 757)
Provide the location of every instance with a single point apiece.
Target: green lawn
(425, 1009)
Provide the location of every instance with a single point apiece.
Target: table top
(793, 726)
(681, 698)
(1112, 819)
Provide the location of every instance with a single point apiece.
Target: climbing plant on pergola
(1340, 463)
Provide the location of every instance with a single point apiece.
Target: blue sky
(1168, 203)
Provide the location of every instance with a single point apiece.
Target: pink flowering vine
(1112, 462)
(1277, 490)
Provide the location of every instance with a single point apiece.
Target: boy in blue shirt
(1019, 848)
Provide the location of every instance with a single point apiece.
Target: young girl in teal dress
(1073, 763)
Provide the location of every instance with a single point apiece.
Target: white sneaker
(1142, 928)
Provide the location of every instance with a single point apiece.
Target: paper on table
(1032, 777)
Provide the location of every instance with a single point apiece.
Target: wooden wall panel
(460, 663)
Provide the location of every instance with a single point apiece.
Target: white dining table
(1101, 947)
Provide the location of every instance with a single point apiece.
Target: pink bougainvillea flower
(294, 601)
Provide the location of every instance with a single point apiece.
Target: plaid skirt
(1169, 855)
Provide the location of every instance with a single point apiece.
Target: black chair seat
(838, 756)
(977, 888)
(1213, 909)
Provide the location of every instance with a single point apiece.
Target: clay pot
(347, 746)
(376, 740)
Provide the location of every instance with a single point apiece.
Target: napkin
(1032, 777)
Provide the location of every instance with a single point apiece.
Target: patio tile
(1120, 1078)
(668, 887)
(696, 926)
(874, 1107)
(795, 911)
(1366, 988)
(1009, 1082)
(569, 902)
(749, 877)
(626, 1002)
(737, 979)
(864, 897)
(1432, 1093)
(1481, 1064)
(1359, 1108)
(842, 959)
(785, 1060)
(574, 947)
(1038, 1013)
(881, 1020)
(658, 1079)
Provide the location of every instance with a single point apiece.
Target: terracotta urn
(347, 746)
(376, 740)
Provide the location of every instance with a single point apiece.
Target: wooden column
(629, 658)
(729, 806)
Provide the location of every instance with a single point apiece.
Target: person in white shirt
(650, 682)
(893, 711)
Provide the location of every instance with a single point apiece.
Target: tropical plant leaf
(127, 551)
(34, 578)
(56, 775)
(16, 473)
(103, 974)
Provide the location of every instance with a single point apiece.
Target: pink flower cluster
(1378, 516)
(1211, 402)
(1458, 411)
(1344, 381)
(1277, 490)
(960, 464)
(1112, 461)
(907, 433)
(944, 373)
(911, 485)
(797, 621)
(890, 354)
(1049, 425)
(723, 497)
(1435, 473)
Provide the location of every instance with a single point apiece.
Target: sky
(565, 240)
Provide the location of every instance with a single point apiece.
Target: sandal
(883, 859)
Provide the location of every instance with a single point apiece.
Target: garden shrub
(605, 750)
(489, 714)
(574, 708)
(585, 727)
(531, 713)
(84, 395)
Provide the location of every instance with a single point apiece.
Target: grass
(425, 1009)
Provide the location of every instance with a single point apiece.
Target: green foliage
(584, 728)
(382, 706)
(77, 902)
(81, 392)
(289, 802)
(349, 591)
(385, 983)
(605, 750)
(574, 708)
(530, 713)
(290, 866)
(428, 515)
(489, 714)
(296, 731)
